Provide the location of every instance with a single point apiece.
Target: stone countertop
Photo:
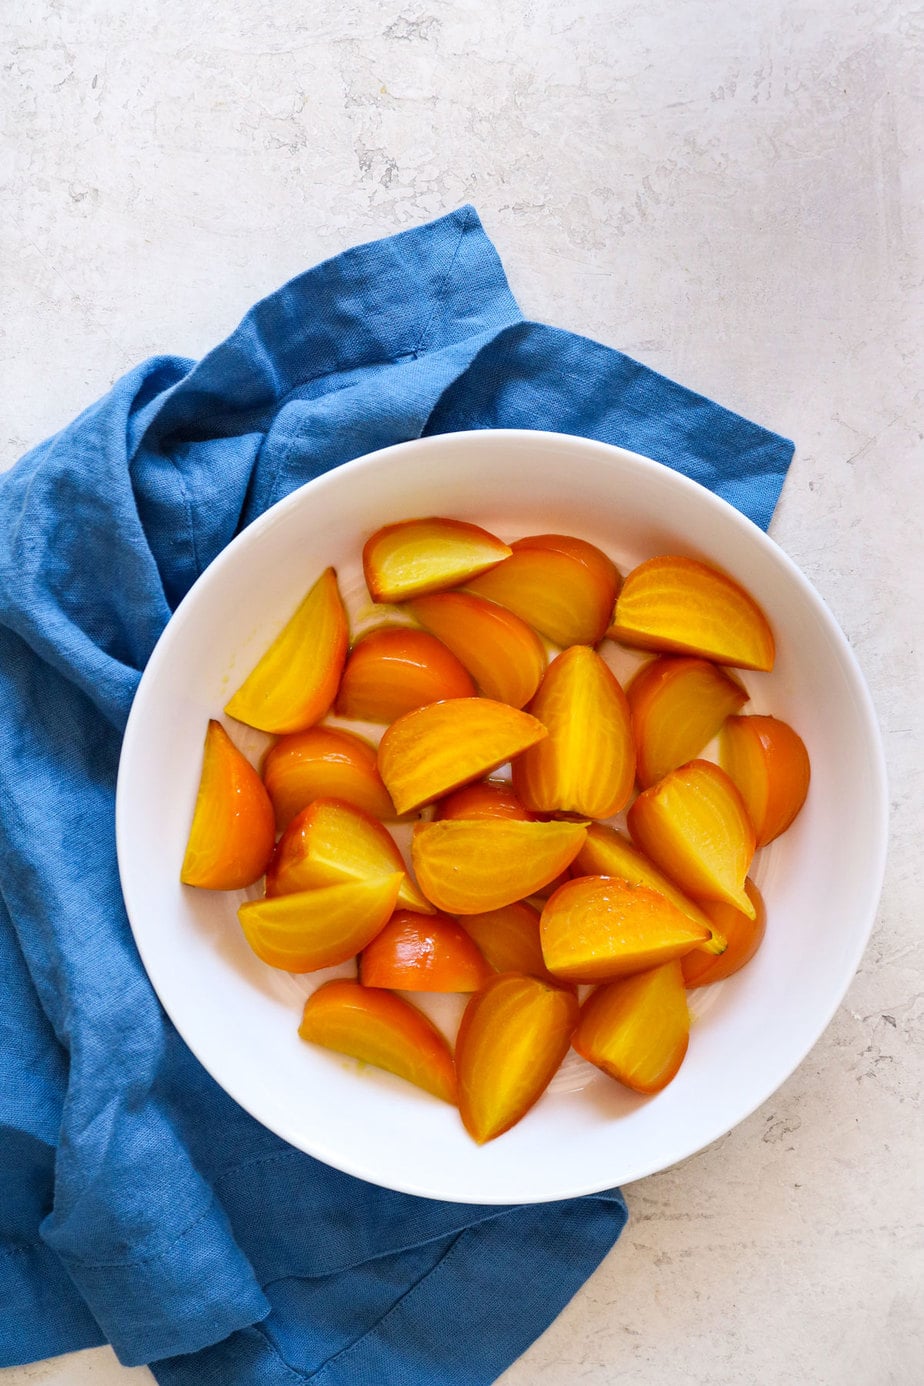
(729, 192)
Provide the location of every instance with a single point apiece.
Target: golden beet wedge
(637, 1029)
(694, 826)
(427, 753)
(608, 852)
(469, 866)
(331, 842)
(743, 936)
(586, 764)
(509, 939)
(483, 799)
(596, 928)
(319, 928)
(678, 705)
(503, 654)
(232, 833)
(395, 669)
(769, 763)
(561, 586)
(688, 607)
(423, 952)
(296, 680)
(324, 763)
(513, 1036)
(383, 1030)
(414, 557)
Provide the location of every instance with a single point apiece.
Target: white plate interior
(821, 881)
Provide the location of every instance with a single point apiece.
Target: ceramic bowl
(820, 881)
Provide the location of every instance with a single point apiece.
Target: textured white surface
(730, 192)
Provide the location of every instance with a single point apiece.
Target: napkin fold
(138, 1203)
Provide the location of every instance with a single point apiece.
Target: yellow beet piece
(694, 825)
(296, 680)
(468, 866)
(413, 557)
(769, 764)
(677, 706)
(608, 852)
(437, 748)
(637, 1029)
(331, 842)
(503, 654)
(561, 586)
(596, 928)
(513, 1036)
(382, 1029)
(319, 928)
(688, 607)
(231, 837)
(586, 765)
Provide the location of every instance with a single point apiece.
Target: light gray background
(731, 192)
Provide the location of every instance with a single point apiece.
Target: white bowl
(821, 880)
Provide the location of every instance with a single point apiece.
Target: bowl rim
(877, 794)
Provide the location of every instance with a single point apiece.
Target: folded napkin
(138, 1203)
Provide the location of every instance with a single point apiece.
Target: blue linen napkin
(138, 1203)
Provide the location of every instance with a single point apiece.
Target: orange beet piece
(324, 763)
(380, 1029)
(596, 928)
(232, 831)
(467, 866)
(392, 670)
(509, 939)
(484, 799)
(413, 557)
(294, 683)
(503, 654)
(423, 952)
(426, 753)
(563, 587)
(743, 936)
(513, 1036)
(678, 706)
(319, 928)
(689, 607)
(770, 766)
(587, 763)
(693, 824)
(331, 842)
(637, 1029)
